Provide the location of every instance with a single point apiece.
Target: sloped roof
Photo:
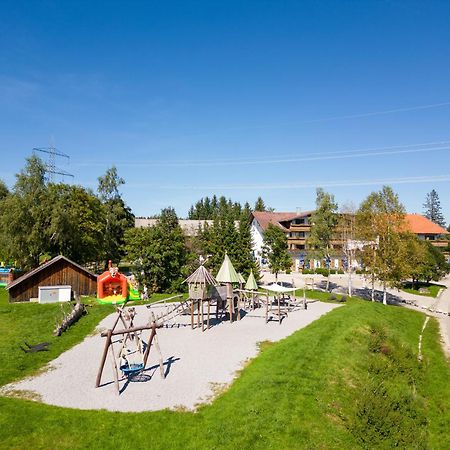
(251, 284)
(201, 276)
(227, 273)
(44, 266)
(241, 278)
(419, 224)
(264, 218)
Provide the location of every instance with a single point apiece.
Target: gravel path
(197, 365)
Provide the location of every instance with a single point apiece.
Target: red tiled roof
(419, 224)
(264, 218)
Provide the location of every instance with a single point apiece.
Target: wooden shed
(59, 271)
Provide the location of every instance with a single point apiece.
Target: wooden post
(267, 307)
(115, 371)
(230, 300)
(202, 318)
(192, 314)
(239, 306)
(279, 309)
(161, 362)
(198, 313)
(149, 343)
(102, 362)
(209, 308)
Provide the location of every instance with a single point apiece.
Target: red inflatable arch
(112, 282)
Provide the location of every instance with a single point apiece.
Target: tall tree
(208, 209)
(75, 223)
(275, 250)
(159, 253)
(432, 208)
(260, 205)
(4, 191)
(347, 229)
(324, 221)
(226, 235)
(381, 220)
(117, 215)
(25, 216)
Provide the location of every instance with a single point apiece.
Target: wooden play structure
(201, 284)
(228, 276)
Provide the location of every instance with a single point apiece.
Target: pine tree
(260, 205)
(432, 208)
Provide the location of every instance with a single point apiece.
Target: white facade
(257, 239)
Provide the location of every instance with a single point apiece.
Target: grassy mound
(349, 380)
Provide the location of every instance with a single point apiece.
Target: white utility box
(55, 294)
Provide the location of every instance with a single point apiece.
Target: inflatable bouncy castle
(114, 287)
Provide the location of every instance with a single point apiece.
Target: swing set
(128, 347)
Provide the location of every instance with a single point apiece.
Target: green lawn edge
(310, 390)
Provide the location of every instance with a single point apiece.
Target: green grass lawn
(431, 288)
(349, 380)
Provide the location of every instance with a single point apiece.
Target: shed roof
(44, 266)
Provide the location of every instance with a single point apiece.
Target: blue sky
(269, 98)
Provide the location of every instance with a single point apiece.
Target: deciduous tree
(25, 216)
(4, 191)
(117, 215)
(76, 223)
(159, 253)
(381, 220)
(323, 228)
(275, 250)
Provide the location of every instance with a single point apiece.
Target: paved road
(437, 307)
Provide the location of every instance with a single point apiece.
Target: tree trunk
(350, 283)
(384, 294)
(77, 311)
(373, 287)
(328, 280)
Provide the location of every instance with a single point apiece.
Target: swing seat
(131, 369)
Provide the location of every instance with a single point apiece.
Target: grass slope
(35, 323)
(348, 380)
(432, 289)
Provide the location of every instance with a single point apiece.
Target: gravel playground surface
(196, 364)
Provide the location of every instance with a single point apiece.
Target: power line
(50, 166)
(301, 185)
(320, 156)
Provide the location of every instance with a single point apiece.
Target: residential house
(297, 227)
